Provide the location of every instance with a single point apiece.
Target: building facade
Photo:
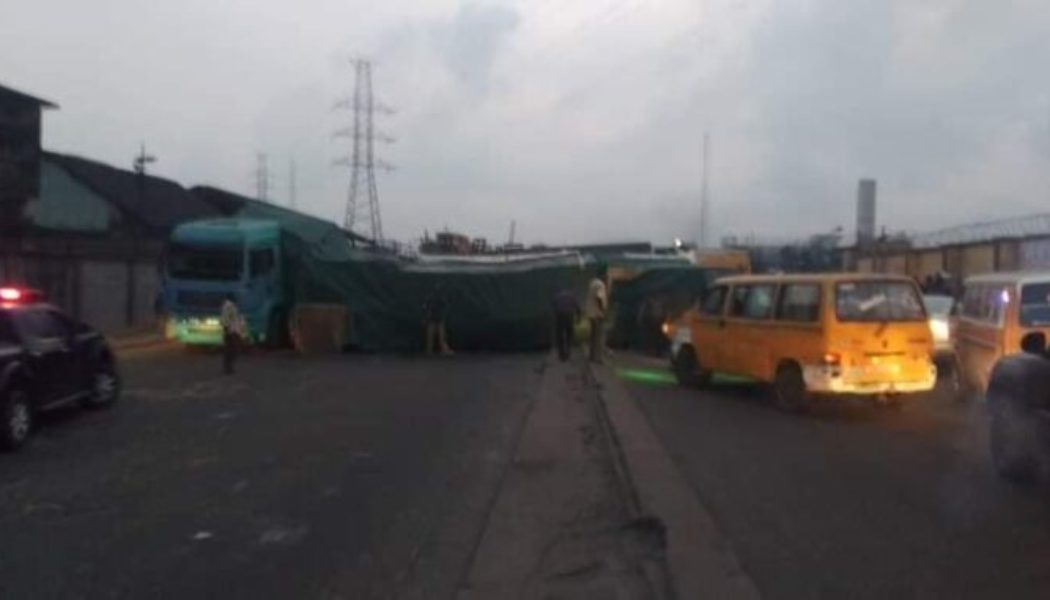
(19, 155)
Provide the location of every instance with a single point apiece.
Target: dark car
(47, 360)
(1019, 407)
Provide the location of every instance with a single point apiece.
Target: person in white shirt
(232, 332)
(594, 310)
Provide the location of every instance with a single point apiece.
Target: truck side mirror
(1034, 343)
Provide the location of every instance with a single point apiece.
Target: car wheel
(789, 389)
(105, 386)
(1011, 439)
(17, 416)
(687, 369)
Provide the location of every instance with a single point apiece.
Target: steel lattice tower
(362, 206)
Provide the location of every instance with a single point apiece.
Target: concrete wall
(103, 289)
(1008, 255)
(928, 262)
(895, 263)
(1034, 254)
(978, 259)
(95, 290)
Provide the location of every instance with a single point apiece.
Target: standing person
(435, 309)
(232, 331)
(566, 312)
(594, 310)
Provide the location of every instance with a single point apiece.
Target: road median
(558, 526)
(701, 563)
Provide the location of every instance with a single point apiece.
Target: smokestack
(865, 212)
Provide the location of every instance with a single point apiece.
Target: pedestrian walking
(566, 313)
(232, 333)
(435, 310)
(595, 310)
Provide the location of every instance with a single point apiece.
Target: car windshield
(877, 301)
(938, 306)
(220, 263)
(1035, 305)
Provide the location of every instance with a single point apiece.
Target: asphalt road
(853, 502)
(346, 477)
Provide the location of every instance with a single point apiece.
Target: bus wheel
(1010, 439)
(789, 389)
(687, 369)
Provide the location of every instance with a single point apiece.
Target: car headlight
(939, 329)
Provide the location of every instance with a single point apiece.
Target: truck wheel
(16, 415)
(1012, 438)
(687, 369)
(789, 389)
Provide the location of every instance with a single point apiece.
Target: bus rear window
(874, 301)
(1035, 305)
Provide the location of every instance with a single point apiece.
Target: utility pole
(362, 206)
(262, 178)
(703, 194)
(513, 225)
(291, 183)
(139, 163)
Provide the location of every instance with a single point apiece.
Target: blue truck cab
(208, 259)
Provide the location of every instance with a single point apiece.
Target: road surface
(340, 477)
(852, 502)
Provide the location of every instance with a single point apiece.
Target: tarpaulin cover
(494, 303)
(641, 305)
(500, 306)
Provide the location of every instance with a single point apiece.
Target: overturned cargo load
(280, 264)
(502, 304)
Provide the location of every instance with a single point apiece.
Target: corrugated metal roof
(159, 205)
(13, 96)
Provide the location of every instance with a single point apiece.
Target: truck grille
(200, 300)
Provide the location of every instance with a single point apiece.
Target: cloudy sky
(580, 119)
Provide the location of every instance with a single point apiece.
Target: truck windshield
(877, 301)
(1035, 305)
(220, 263)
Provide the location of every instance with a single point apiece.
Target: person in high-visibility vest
(232, 333)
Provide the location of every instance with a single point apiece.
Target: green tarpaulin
(641, 305)
(494, 303)
(499, 306)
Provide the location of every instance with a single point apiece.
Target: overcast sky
(581, 120)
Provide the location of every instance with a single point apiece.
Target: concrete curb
(700, 562)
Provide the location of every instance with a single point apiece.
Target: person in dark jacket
(566, 313)
(435, 310)
(1018, 401)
